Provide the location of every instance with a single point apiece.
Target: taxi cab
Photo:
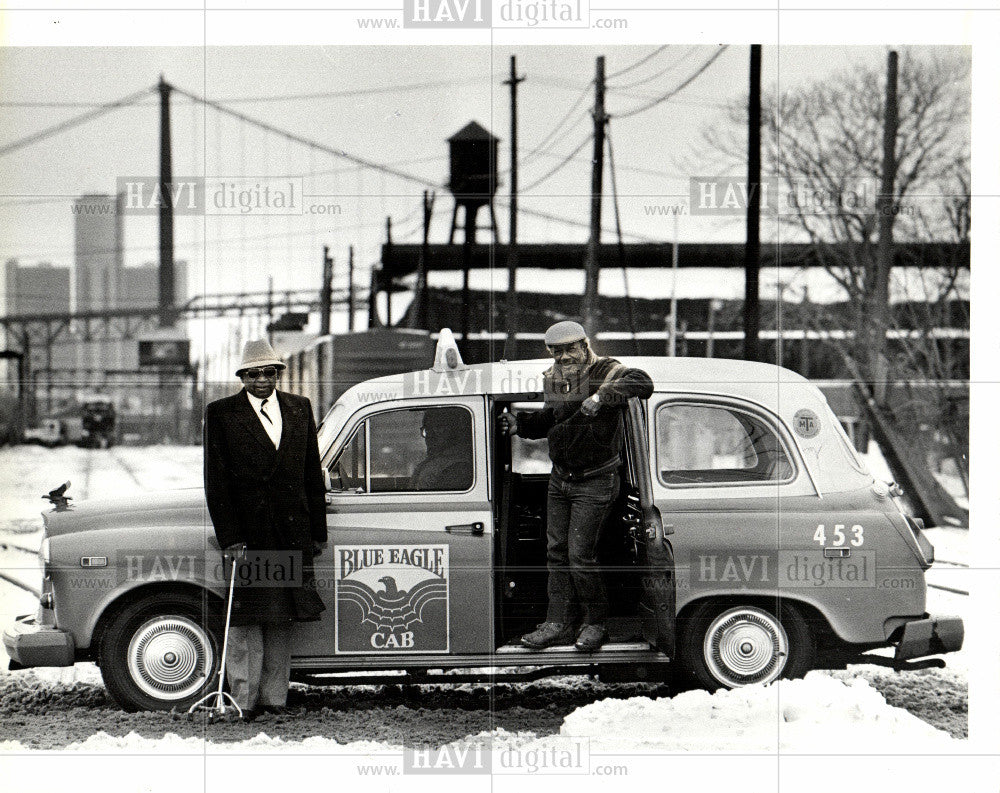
(749, 543)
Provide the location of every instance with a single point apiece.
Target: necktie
(263, 412)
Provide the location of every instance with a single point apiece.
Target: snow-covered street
(867, 708)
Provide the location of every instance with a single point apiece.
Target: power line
(75, 121)
(668, 68)
(638, 63)
(621, 242)
(558, 166)
(563, 120)
(678, 89)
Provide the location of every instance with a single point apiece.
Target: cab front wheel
(729, 646)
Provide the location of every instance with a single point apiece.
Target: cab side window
(410, 450)
(714, 444)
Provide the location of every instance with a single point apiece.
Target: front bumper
(930, 636)
(30, 644)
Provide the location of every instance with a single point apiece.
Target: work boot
(591, 638)
(548, 634)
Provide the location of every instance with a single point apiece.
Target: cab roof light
(447, 358)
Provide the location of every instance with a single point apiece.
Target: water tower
(473, 177)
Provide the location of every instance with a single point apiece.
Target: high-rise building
(99, 246)
(36, 289)
(140, 286)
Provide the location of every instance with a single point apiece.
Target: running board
(609, 647)
(565, 657)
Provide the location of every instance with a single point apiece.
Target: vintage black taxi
(749, 543)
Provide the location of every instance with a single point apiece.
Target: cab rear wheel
(734, 645)
(160, 652)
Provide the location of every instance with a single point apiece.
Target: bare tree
(822, 143)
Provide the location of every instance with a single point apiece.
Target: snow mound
(795, 715)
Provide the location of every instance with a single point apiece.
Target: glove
(238, 550)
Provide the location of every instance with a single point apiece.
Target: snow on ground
(797, 715)
(791, 716)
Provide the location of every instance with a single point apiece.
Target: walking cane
(219, 709)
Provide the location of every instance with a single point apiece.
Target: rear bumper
(930, 636)
(30, 644)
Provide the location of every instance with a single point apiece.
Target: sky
(401, 104)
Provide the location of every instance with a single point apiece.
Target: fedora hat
(259, 353)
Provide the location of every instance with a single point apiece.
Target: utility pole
(591, 265)
(510, 348)
(166, 212)
(751, 298)
(270, 309)
(350, 289)
(886, 204)
(418, 317)
(325, 293)
(388, 283)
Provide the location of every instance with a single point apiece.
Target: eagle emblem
(392, 609)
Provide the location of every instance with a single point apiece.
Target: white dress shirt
(271, 405)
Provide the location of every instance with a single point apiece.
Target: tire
(159, 652)
(727, 645)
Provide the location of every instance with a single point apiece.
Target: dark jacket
(579, 443)
(271, 499)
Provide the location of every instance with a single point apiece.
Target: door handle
(476, 529)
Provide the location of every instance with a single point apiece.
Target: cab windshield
(331, 425)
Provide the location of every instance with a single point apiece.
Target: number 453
(839, 537)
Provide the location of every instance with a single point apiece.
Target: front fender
(186, 556)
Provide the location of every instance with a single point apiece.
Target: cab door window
(409, 450)
(714, 444)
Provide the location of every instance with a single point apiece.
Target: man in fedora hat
(585, 429)
(265, 494)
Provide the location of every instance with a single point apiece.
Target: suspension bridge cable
(76, 121)
(676, 90)
(638, 63)
(350, 92)
(408, 177)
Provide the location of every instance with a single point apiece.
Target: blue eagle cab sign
(391, 598)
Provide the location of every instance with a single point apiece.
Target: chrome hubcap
(170, 657)
(745, 645)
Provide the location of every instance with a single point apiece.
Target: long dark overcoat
(271, 499)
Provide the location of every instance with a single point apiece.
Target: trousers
(258, 663)
(576, 512)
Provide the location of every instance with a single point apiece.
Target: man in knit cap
(583, 421)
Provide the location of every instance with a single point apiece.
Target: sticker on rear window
(806, 423)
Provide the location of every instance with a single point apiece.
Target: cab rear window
(717, 444)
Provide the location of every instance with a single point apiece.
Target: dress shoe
(548, 634)
(591, 638)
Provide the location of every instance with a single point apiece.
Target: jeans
(576, 513)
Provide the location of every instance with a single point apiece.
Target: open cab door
(654, 554)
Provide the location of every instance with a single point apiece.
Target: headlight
(44, 552)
